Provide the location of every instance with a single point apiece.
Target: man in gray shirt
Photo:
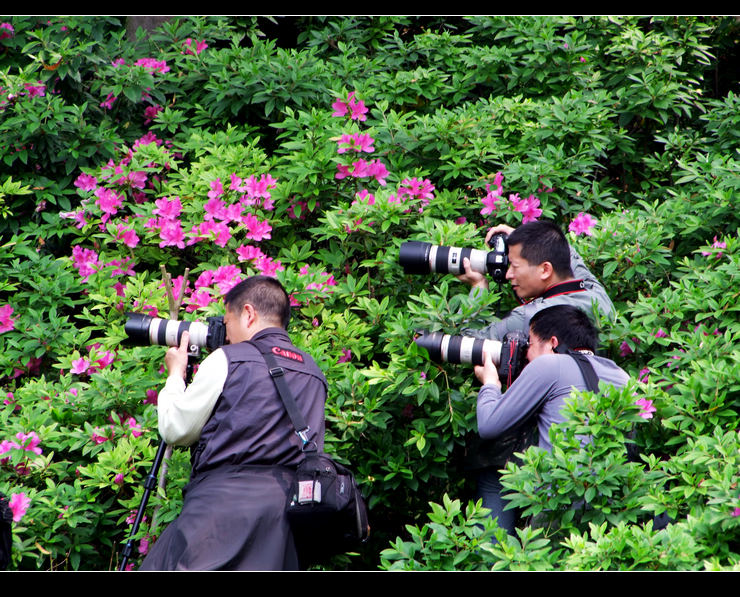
(543, 271)
(538, 394)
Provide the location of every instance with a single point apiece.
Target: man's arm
(182, 412)
(498, 413)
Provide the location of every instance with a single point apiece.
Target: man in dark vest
(543, 271)
(245, 447)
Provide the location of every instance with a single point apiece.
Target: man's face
(233, 323)
(538, 346)
(526, 279)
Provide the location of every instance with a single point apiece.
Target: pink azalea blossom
(7, 323)
(135, 427)
(644, 375)
(660, 334)
(151, 397)
(29, 441)
(215, 209)
(107, 103)
(717, 244)
(355, 142)
(86, 182)
(217, 189)
(150, 113)
(118, 479)
(256, 230)
(80, 366)
(582, 224)
(357, 108)
(172, 234)
(35, 90)
(364, 197)
(153, 65)
(6, 30)
(346, 356)
(624, 349)
(18, 504)
(128, 236)
(108, 201)
(86, 261)
(188, 46)
(529, 207)
(647, 408)
(168, 208)
(736, 511)
(249, 253)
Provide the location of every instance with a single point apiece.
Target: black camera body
(418, 257)
(144, 330)
(509, 356)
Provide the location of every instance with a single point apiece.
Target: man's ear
(554, 341)
(546, 270)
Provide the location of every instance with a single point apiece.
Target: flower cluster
(529, 207)
(18, 504)
(6, 30)
(7, 323)
(582, 224)
(153, 65)
(193, 47)
(355, 108)
(717, 244)
(646, 408)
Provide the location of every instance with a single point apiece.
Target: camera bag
(325, 509)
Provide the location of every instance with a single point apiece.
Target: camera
(509, 356)
(418, 257)
(143, 330)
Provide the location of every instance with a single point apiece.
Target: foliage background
(631, 120)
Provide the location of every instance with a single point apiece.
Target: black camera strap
(278, 377)
(567, 287)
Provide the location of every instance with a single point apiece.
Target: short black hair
(570, 325)
(543, 241)
(265, 294)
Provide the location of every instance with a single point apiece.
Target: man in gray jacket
(543, 271)
(537, 396)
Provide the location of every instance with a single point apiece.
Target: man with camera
(542, 272)
(558, 336)
(245, 446)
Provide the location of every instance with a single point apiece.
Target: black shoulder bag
(326, 510)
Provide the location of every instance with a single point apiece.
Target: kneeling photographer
(246, 448)
(562, 341)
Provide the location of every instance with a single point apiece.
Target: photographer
(233, 515)
(542, 271)
(538, 394)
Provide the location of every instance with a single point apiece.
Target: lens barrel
(444, 348)
(143, 330)
(418, 257)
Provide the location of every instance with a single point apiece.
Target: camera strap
(587, 369)
(567, 287)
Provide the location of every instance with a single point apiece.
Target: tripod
(150, 482)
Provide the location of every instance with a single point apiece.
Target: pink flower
(32, 444)
(6, 30)
(736, 512)
(108, 201)
(489, 201)
(98, 437)
(528, 207)
(168, 208)
(7, 323)
(86, 182)
(256, 230)
(249, 253)
(199, 47)
(35, 90)
(171, 234)
(582, 224)
(643, 375)
(624, 349)
(364, 197)
(80, 366)
(151, 397)
(153, 65)
(355, 142)
(129, 237)
(118, 479)
(377, 170)
(107, 103)
(660, 334)
(647, 408)
(715, 245)
(18, 504)
(356, 108)
(346, 356)
(135, 427)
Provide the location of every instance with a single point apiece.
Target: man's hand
(176, 358)
(475, 279)
(487, 373)
(501, 228)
